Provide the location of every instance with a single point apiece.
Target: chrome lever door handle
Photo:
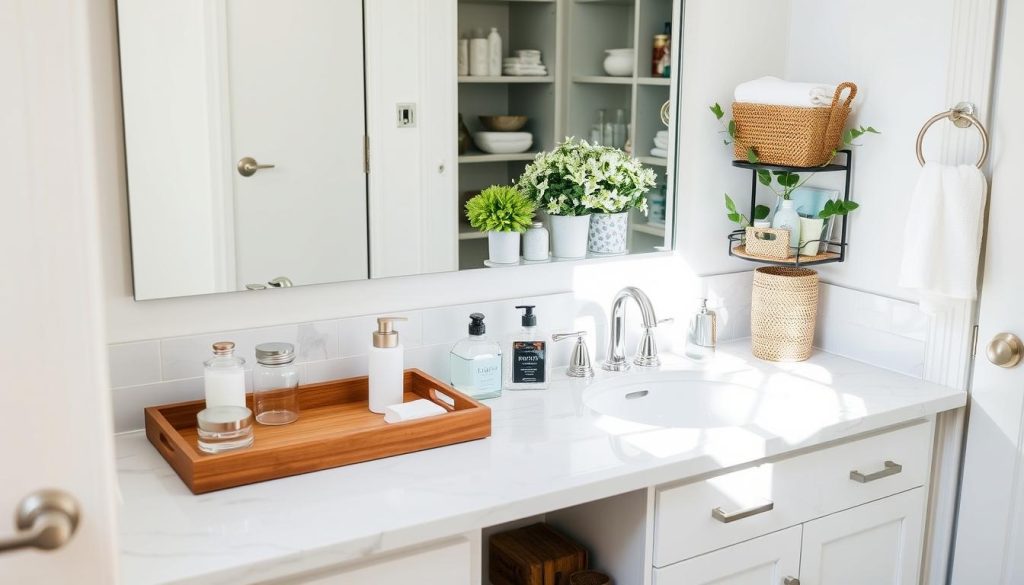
(727, 517)
(891, 468)
(46, 520)
(248, 166)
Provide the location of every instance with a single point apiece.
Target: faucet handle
(665, 320)
(579, 364)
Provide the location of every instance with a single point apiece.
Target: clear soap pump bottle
(527, 366)
(386, 366)
(475, 362)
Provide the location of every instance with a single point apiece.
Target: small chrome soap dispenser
(703, 334)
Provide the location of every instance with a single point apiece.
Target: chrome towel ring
(962, 116)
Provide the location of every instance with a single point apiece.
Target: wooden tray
(335, 428)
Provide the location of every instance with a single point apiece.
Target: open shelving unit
(836, 250)
(572, 36)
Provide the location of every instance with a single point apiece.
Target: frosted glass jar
(535, 243)
(224, 428)
(275, 381)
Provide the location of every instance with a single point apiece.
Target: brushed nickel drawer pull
(727, 517)
(891, 468)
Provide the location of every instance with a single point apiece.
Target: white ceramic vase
(608, 233)
(569, 235)
(503, 247)
(810, 234)
(619, 62)
(786, 218)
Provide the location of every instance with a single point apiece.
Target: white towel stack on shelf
(775, 91)
(660, 149)
(526, 63)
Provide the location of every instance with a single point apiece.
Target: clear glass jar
(275, 381)
(224, 428)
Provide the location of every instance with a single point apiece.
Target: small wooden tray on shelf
(335, 428)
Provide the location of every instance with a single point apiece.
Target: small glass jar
(224, 428)
(275, 381)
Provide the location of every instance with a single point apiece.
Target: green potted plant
(811, 228)
(504, 213)
(583, 188)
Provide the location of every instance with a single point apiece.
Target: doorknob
(248, 166)
(1005, 350)
(46, 519)
(791, 581)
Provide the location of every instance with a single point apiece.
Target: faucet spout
(647, 352)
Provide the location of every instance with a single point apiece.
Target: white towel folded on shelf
(659, 152)
(661, 142)
(942, 240)
(775, 91)
(661, 134)
(524, 70)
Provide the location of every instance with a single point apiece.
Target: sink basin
(668, 400)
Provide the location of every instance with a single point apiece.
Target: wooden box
(335, 428)
(534, 555)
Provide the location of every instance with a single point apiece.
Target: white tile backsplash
(132, 364)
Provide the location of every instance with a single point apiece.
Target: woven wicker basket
(789, 135)
(768, 243)
(784, 308)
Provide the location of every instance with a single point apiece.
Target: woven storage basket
(784, 308)
(789, 135)
(768, 243)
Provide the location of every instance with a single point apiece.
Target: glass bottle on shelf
(597, 130)
(619, 129)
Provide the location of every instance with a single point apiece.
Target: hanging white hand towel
(942, 241)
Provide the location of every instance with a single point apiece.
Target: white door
(296, 100)
(877, 544)
(56, 431)
(773, 559)
(989, 545)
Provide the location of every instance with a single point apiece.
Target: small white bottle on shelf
(463, 57)
(386, 366)
(224, 377)
(478, 54)
(494, 53)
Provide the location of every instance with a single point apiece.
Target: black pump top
(476, 324)
(529, 319)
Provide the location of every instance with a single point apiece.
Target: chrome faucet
(647, 350)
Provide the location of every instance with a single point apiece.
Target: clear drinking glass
(275, 382)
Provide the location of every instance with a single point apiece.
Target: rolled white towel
(659, 152)
(661, 134)
(775, 91)
(661, 142)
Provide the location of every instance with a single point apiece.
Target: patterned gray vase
(608, 233)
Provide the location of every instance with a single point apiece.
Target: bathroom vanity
(737, 468)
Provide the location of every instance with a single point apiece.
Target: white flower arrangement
(577, 178)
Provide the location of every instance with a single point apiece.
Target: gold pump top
(385, 336)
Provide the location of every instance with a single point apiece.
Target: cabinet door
(877, 543)
(446, 564)
(773, 559)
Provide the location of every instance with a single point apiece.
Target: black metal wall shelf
(836, 250)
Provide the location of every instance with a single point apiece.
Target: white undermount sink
(673, 400)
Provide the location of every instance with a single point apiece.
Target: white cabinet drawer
(773, 496)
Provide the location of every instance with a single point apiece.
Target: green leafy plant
(760, 212)
(500, 209)
(578, 178)
(838, 207)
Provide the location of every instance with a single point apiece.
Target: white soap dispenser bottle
(386, 366)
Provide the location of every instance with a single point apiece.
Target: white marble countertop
(547, 451)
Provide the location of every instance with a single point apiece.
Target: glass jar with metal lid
(275, 384)
(224, 428)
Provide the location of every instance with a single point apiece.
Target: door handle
(46, 520)
(891, 468)
(248, 166)
(727, 517)
(1005, 350)
(791, 581)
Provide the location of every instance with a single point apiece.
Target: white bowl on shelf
(503, 142)
(620, 62)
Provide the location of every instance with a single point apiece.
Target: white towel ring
(962, 117)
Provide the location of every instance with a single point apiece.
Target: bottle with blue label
(475, 362)
(527, 366)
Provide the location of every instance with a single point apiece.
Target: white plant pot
(810, 233)
(608, 233)
(569, 235)
(503, 247)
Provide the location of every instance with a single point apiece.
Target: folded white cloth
(524, 70)
(659, 152)
(661, 134)
(775, 91)
(421, 408)
(661, 142)
(942, 241)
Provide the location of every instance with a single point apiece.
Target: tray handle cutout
(165, 443)
(442, 399)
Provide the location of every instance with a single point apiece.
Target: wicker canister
(784, 307)
(790, 135)
(768, 243)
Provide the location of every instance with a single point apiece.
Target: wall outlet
(406, 115)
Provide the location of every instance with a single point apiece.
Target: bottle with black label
(527, 366)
